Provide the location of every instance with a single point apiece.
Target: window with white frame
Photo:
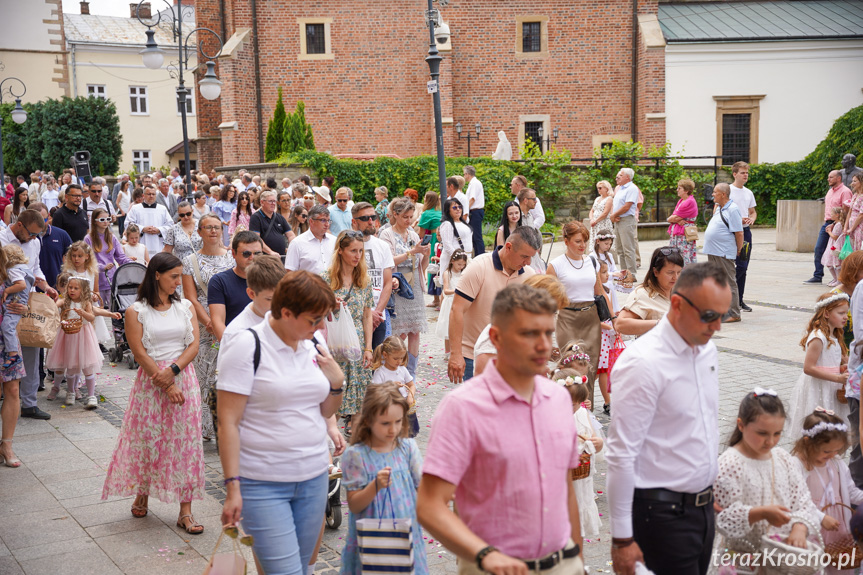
(138, 100)
(190, 107)
(96, 91)
(141, 160)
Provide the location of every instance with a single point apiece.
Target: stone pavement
(53, 520)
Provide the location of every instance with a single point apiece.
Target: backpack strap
(256, 358)
(595, 265)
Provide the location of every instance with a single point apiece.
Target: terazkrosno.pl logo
(772, 558)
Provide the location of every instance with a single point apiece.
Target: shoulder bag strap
(196, 268)
(272, 221)
(724, 221)
(458, 236)
(256, 358)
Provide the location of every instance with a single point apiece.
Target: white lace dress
(584, 490)
(811, 392)
(744, 483)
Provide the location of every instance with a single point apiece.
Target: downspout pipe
(633, 104)
(258, 105)
(74, 70)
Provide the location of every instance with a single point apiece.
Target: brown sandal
(138, 510)
(192, 527)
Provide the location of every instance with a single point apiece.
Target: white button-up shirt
(476, 193)
(31, 249)
(665, 429)
(309, 253)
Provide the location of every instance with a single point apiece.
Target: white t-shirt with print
(379, 257)
(401, 375)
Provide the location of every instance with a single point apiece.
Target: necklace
(572, 264)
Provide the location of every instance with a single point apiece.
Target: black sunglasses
(185, 214)
(372, 217)
(248, 254)
(706, 316)
(341, 201)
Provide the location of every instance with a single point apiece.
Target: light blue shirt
(719, 239)
(627, 193)
(339, 220)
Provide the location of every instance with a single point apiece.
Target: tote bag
(385, 544)
(342, 337)
(39, 326)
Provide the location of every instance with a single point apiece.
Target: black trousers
(675, 539)
(476, 217)
(379, 335)
(743, 265)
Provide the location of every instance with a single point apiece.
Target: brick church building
(577, 67)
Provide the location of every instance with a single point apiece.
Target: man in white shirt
(96, 200)
(379, 261)
(476, 205)
(518, 183)
(152, 219)
(452, 192)
(623, 211)
(663, 455)
(313, 249)
(744, 199)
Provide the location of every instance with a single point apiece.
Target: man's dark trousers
(820, 248)
(476, 217)
(743, 265)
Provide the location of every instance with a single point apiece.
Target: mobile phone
(426, 240)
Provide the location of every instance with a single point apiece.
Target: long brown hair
(819, 322)
(360, 275)
(95, 240)
(379, 398)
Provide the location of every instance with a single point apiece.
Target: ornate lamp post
(153, 57)
(547, 140)
(440, 31)
(469, 136)
(19, 116)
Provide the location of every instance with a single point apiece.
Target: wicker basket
(840, 396)
(843, 546)
(70, 326)
(583, 469)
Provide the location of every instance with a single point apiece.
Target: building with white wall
(759, 81)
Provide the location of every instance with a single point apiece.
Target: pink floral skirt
(159, 451)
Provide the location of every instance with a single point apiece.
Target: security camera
(441, 33)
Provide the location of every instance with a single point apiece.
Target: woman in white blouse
(272, 428)
(124, 202)
(649, 302)
(159, 451)
(579, 273)
(454, 233)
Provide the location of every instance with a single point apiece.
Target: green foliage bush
(55, 129)
(273, 146)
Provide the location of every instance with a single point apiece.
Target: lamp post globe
(210, 86)
(19, 114)
(152, 55)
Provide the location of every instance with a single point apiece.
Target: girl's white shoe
(70, 398)
(92, 402)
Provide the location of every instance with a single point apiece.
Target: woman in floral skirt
(159, 451)
(684, 215)
(349, 280)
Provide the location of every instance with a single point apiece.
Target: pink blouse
(243, 221)
(686, 208)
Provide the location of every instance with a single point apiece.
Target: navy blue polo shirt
(228, 289)
(55, 242)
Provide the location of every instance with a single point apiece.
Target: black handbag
(602, 308)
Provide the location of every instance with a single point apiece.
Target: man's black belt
(666, 495)
(553, 559)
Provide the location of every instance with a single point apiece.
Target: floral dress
(360, 465)
(183, 244)
(381, 211)
(603, 227)
(410, 314)
(208, 350)
(239, 222)
(686, 208)
(15, 371)
(855, 211)
(357, 377)
(159, 450)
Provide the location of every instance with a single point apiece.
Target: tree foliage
(275, 132)
(296, 133)
(55, 129)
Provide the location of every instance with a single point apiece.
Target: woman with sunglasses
(109, 252)
(198, 268)
(241, 215)
(349, 280)
(428, 224)
(182, 238)
(649, 302)
(299, 219)
(454, 233)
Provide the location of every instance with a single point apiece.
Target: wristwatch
(176, 369)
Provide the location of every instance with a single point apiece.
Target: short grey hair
(527, 235)
(723, 188)
(162, 181)
(267, 194)
(347, 190)
(629, 172)
(471, 171)
(319, 210)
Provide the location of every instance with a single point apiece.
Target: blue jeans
(468, 369)
(820, 248)
(285, 519)
(9, 329)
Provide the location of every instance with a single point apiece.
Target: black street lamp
(153, 56)
(19, 116)
(438, 32)
(469, 136)
(547, 140)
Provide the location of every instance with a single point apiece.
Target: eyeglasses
(354, 234)
(322, 220)
(308, 197)
(268, 201)
(74, 195)
(211, 228)
(185, 214)
(32, 234)
(341, 201)
(248, 254)
(285, 200)
(101, 220)
(706, 316)
(667, 251)
(372, 217)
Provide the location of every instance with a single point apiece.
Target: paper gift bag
(385, 544)
(229, 563)
(38, 327)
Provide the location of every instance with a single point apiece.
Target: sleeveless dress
(442, 329)
(75, 352)
(103, 335)
(159, 450)
(811, 392)
(603, 227)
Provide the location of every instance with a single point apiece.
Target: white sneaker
(92, 402)
(70, 398)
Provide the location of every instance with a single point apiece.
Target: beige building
(104, 61)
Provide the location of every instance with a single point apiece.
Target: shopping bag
(847, 248)
(385, 544)
(229, 563)
(39, 326)
(616, 349)
(342, 337)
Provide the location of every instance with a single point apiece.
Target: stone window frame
(522, 118)
(749, 104)
(327, 22)
(520, 54)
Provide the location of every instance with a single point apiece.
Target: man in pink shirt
(837, 196)
(504, 445)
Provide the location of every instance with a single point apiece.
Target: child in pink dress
(830, 259)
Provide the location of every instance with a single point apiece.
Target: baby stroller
(124, 292)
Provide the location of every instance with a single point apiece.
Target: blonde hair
(391, 345)
(377, 401)
(91, 265)
(86, 294)
(12, 256)
(360, 275)
(569, 357)
(818, 322)
(550, 284)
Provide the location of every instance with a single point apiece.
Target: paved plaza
(53, 520)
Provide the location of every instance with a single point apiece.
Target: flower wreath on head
(580, 356)
(832, 299)
(605, 236)
(570, 380)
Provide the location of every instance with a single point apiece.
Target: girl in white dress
(819, 451)
(81, 261)
(823, 377)
(133, 247)
(451, 277)
(759, 489)
(607, 274)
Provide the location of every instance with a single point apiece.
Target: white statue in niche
(504, 148)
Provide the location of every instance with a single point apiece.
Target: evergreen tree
(297, 134)
(274, 146)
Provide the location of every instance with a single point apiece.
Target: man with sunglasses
(313, 249)
(25, 234)
(226, 292)
(663, 441)
(70, 217)
(380, 265)
(96, 201)
(340, 212)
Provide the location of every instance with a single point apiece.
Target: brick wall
(371, 98)
(651, 87)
